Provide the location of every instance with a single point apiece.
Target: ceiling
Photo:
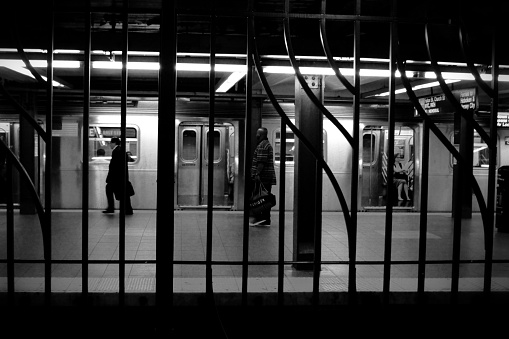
(27, 25)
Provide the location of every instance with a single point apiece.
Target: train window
(99, 137)
(368, 149)
(481, 156)
(189, 149)
(481, 152)
(290, 146)
(217, 140)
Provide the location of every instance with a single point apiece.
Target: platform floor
(190, 245)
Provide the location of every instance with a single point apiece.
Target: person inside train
(400, 178)
(262, 172)
(114, 179)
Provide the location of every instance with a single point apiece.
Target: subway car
(191, 157)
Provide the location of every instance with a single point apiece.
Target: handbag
(129, 189)
(261, 199)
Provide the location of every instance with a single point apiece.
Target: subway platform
(262, 285)
(227, 246)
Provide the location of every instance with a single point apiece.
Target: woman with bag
(263, 175)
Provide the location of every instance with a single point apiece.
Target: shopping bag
(261, 199)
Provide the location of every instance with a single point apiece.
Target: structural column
(309, 120)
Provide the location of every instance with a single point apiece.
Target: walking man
(114, 179)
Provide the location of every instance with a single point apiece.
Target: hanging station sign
(439, 104)
(503, 119)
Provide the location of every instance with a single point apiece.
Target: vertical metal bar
(318, 233)
(390, 162)
(352, 288)
(210, 173)
(85, 168)
(10, 233)
(247, 149)
(423, 229)
(492, 170)
(282, 187)
(123, 118)
(165, 213)
(49, 159)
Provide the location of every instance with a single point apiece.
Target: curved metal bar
(21, 51)
(296, 131)
(464, 49)
(24, 113)
(450, 96)
(442, 138)
(24, 175)
(306, 88)
(328, 54)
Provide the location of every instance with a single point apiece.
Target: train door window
(290, 146)
(369, 146)
(99, 142)
(189, 150)
(217, 140)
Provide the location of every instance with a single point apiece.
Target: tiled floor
(227, 239)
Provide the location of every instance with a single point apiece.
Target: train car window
(217, 146)
(99, 137)
(481, 156)
(290, 146)
(189, 149)
(481, 152)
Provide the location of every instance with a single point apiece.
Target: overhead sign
(439, 104)
(503, 119)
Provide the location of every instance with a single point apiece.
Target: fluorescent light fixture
(427, 85)
(40, 63)
(230, 82)
(26, 72)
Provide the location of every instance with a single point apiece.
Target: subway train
(191, 156)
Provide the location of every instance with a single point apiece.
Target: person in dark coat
(114, 183)
(262, 171)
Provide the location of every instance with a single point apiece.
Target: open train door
(374, 166)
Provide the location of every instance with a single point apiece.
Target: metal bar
(390, 162)
(282, 187)
(10, 233)
(210, 173)
(423, 228)
(86, 150)
(488, 230)
(165, 213)
(123, 122)
(247, 149)
(318, 233)
(49, 158)
(352, 236)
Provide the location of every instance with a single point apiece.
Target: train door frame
(411, 153)
(228, 158)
